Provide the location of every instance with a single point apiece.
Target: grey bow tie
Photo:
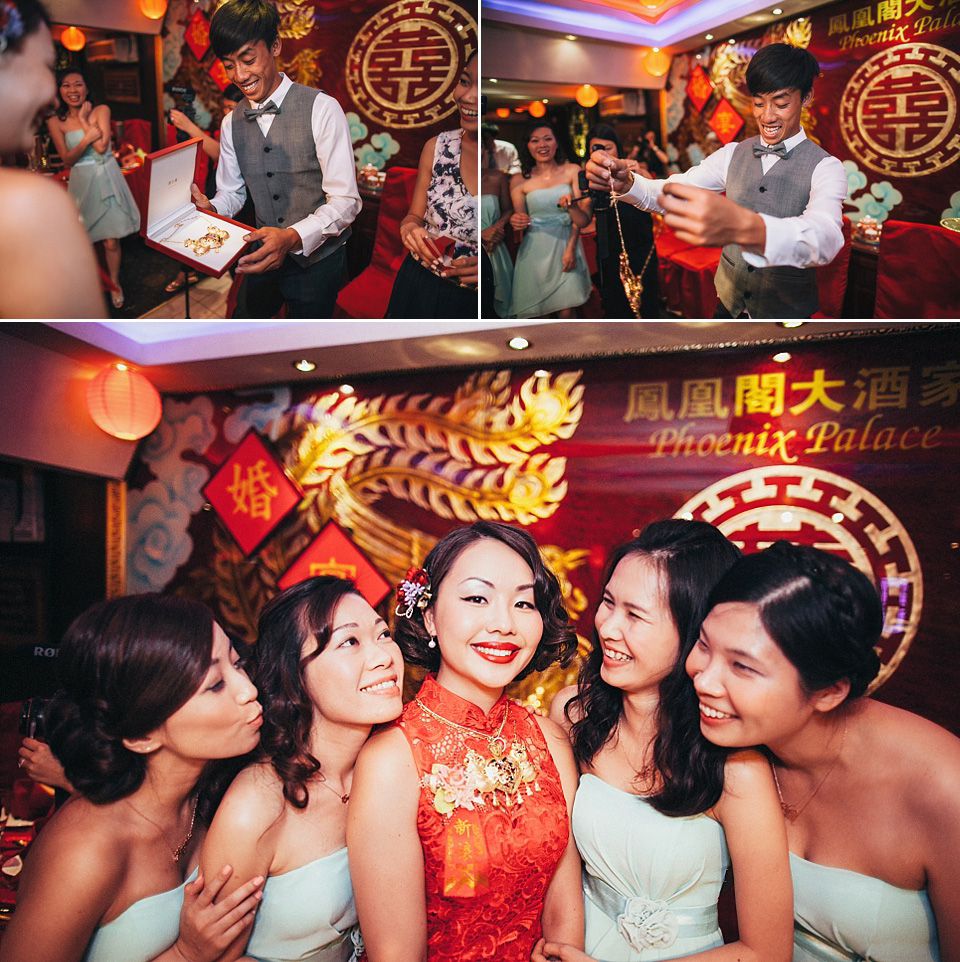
(251, 113)
(778, 149)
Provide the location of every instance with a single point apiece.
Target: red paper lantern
(587, 96)
(503, 112)
(123, 403)
(154, 9)
(73, 39)
(537, 109)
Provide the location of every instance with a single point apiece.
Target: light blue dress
(143, 931)
(651, 882)
(307, 915)
(540, 285)
(107, 207)
(842, 916)
(500, 258)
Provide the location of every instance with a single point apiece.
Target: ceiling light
(518, 343)
(782, 357)
(709, 36)
(776, 11)
(541, 373)
(570, 36)
(346, 389)
(789, 324)
(699, 56)
(304, 365)
(494, 80)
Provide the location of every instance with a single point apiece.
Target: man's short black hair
(781, 66)
(239, 22)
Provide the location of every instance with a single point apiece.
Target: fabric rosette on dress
(648, 924)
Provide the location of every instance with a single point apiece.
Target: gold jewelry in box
(211, 241)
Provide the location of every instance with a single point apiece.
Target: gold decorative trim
(116, 538)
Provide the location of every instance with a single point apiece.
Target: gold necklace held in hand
(176, 852)
(632, 283)
(504, 771)
(792, 812)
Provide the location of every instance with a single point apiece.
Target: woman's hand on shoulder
(209, 924)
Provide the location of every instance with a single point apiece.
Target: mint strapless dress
(107, 207)
(500, 258)
(307, 915)
(143, 931)
(540, 285)
(842, 916)
(651, 882)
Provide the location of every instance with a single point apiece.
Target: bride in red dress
(458, 831)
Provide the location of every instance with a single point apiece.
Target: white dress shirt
(331, 134)
(810, 240)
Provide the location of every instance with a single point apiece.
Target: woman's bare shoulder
(559, 704)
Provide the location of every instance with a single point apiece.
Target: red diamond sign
(332, 553)
(726, 122)
(198, 34)
(699, 88)
(252, 492)
(219, 74)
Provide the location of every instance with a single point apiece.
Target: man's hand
(608, 173)
(277, 243)
(706, 219)
(200, 199)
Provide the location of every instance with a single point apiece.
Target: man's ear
(275, 48)
(806, 100)
(832, 696)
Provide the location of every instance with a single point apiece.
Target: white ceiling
(190, 356)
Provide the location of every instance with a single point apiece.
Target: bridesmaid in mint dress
(152, 693)
(495, 210)
(660, 813)
(870, 793)
(328, 671)
(81, 134)
(551, 277)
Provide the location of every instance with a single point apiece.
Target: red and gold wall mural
(392, 66)
(853, 444)
(886, 103)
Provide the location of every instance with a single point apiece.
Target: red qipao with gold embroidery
(492, 821)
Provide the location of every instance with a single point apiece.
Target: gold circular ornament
(898, 113)
(811, 506)
(405, 61)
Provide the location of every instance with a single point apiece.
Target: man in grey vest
(290, 147)
(783, 209)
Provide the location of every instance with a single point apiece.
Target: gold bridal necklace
(632, 283)
(176, 852)
(792, 812)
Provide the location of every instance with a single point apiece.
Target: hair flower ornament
(413, 592)
(11, 25)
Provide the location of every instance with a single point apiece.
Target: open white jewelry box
(175, 225)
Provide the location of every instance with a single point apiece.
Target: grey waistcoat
(783, 191)
(281, 170)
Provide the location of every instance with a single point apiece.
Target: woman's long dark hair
(125, 666)
(527, 163)
(690, 557)
(294, 627)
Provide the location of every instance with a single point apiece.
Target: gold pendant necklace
(632, 283)
(792, 812)
(211, 241)
(343, 798)
(176, 852)
(504, 771)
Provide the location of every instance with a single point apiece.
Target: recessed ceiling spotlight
(709, 36)
(699, 56)
(518, 343)
(542, 372)
(789, 324)
(656, 50)
(776, 11)
(494, 80)
(346, 389)
(570, 36)
(304, 366)
(782, 357)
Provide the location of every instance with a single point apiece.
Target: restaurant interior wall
(393, 72)
(853, 443)
(886, 103)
